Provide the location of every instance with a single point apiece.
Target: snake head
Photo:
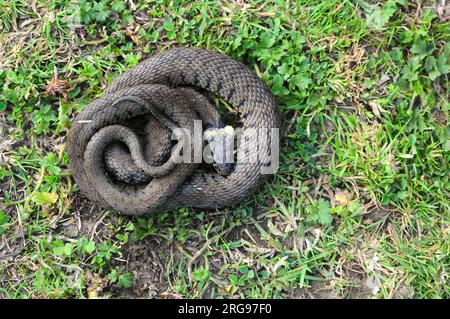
(223, 169)
(221, 142)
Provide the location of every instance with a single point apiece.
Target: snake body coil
(114, 168)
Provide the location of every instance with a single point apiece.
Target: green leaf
(379, 16)
(283, 69)
(102, 12)
(354, 206)
(68, 249)
(412, 139)
(431, 67)
(132, 59)
(4, 218)
(170, 28)
(89, 247)
(402, 194)
(277, 85)
(410, 70)
(446, 146)
(118, 6)
(442, 64)
(268, 39)
(113, 275)
(10, 75)
(126, 280)
(44, 198)
(243, 269)
(10, 95)
(50, 161)
(324, 215)
(301, 81)
(101, 16)
(234, 279)
(168, 24)
(2, 106)
(58, 251)
(422, 49)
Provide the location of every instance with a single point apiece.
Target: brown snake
(119, 145)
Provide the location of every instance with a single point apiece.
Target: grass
(358, 209)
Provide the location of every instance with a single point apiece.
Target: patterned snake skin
(118, 141)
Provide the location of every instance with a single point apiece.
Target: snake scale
(119, 145)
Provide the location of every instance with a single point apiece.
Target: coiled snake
(120, 144)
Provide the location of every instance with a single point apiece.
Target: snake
(124, 147)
